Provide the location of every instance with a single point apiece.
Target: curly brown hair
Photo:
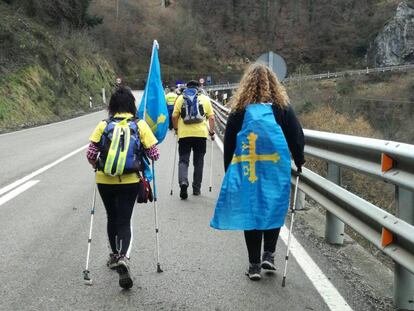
(259, 85)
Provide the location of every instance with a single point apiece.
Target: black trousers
(254, 242)
(170, 112)
(198, 146)
(119, 201)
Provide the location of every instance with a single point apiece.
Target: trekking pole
(291, 228)
(211, 165)
(157, 242)
(173, 174)
(86, 278)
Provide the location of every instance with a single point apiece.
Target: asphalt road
(44, 232)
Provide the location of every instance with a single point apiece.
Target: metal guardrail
(328, 75)
(394, 235)
(222, 87)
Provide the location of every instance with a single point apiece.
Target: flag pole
(155, 45)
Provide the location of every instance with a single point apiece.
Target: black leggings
(119, 201)
(254, 242)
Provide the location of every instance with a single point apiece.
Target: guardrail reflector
(387, 163)
(386, 237)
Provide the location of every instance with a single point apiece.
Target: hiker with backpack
(117, 151)
(262, 134)
(192, 112)
(170, 98)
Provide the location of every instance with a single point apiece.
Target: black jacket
(286, 119)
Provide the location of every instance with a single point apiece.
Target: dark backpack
(192, 111)
(120, 147)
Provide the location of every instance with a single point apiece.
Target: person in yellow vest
(119, 191)
(192, 111)
(170, 99)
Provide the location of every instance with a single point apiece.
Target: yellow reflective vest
(170, 98)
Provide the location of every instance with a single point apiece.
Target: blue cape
(256, 188)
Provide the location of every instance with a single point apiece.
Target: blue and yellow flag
(256, 188)
(153, 108)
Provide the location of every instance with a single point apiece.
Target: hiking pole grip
(292, 219)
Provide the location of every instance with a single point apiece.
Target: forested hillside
(48, 65)
(220, 37)
(55, 53)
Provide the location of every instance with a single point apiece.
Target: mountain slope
(46, 75)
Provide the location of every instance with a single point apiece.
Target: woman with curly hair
(262, 134)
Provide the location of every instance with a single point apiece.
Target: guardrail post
(334, 229)
(300, 201)
(404, 279)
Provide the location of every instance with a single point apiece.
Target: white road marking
(39, 171)
(325, 288)
(51, 124)
(14, 193)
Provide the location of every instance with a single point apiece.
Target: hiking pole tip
(159, 270)
(86, 279)
(284, 281)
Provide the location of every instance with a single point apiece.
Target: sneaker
(268, 261)
(112, 261)
(183, 192)
(254, 272)
(122, 267)
(196, 192)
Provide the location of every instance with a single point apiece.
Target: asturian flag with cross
(256, 188)
(153, 108)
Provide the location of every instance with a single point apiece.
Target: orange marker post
(386, 237)
(387, 162)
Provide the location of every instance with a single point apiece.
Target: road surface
(45, 202)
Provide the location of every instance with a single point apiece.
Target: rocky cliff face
(394, 45)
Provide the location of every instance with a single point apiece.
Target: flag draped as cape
(256, 188)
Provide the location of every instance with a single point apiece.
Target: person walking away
(120, 136)
(262, 134)
(170, 98)
(192, 111)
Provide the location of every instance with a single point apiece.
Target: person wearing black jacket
(260, 85)
(287, 120)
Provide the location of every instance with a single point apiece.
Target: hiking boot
(122, 267)
(254, 272)
(268, 261)
(112, 261)
(196, 192)
(183, 192)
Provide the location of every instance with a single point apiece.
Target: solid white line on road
(325, 288)
(39, 171)
(14, 193)
(51, 124)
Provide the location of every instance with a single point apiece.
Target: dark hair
(193, 84)
(122, 101)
